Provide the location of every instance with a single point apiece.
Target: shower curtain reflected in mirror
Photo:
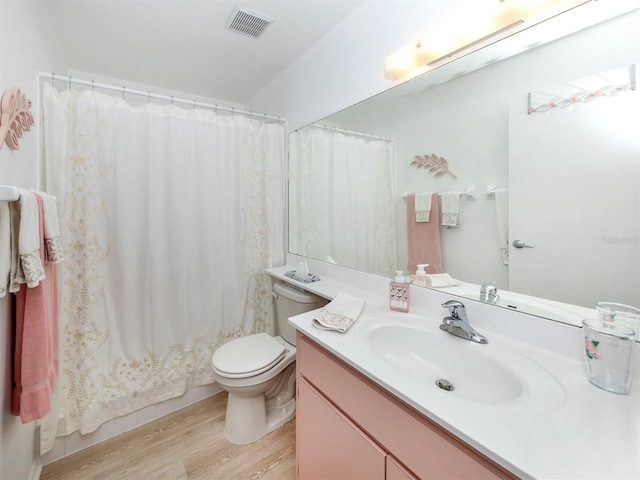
(341, 198)
(169, 218)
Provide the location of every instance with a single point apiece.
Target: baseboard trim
(36, 470)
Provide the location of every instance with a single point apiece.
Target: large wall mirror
(540, 148)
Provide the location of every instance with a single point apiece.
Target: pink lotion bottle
(399, 293)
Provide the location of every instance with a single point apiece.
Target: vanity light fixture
(491, 22)
(474, 43)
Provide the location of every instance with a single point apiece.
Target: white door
(574, 177)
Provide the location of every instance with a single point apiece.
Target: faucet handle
(453, 306)
(489, 288)
(489, 293)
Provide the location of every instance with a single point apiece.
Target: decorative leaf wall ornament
(15, 117)
(433, 163)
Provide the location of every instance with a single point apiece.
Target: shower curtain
(342, 191)
(169, 218)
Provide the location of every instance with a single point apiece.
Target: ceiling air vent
(247, 22)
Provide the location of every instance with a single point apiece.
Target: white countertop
(593, 434)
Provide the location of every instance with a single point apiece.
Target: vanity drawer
(425, 448)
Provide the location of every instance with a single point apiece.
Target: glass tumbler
(619, 313)
(608, 350)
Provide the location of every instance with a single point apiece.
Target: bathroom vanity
(348, 427)
(368, 406)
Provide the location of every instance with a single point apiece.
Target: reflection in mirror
(564, 180)
(342, 198)
(574, 178)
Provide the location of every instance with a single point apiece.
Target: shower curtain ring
(149, 96)
(93, 87)
(194, 105)
(171, 101)
(69, 82)
(123, 92)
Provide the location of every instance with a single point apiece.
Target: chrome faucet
(489, 293)
(457, 324)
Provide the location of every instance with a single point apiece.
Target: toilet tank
(292, 301)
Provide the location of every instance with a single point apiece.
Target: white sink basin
(491, 374)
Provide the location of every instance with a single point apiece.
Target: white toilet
(259, 373)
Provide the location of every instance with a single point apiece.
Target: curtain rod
(352, 132)
(156, 96)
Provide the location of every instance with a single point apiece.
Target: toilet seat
(248, 356)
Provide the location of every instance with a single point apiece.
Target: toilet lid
(248, 356)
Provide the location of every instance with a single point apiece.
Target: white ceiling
(183, 45)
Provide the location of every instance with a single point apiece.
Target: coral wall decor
(15, 117)
(433, 163)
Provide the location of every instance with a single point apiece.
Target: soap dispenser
(399, 293)
(420, 277)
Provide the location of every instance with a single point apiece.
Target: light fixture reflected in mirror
(486, 24)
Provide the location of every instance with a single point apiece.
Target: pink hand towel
(36, 337)
(423, 238)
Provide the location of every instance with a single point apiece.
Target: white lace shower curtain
(342, 192)
(169, 218)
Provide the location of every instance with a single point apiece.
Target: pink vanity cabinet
(347, 427)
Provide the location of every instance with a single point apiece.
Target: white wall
(346, 66)
(27, 44)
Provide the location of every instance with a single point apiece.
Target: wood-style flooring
(187, 444)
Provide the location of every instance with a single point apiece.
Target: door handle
(521, 244)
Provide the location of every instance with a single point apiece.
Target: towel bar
(9, 193)
(468, 192)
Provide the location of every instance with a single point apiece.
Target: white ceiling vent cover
(247, 22)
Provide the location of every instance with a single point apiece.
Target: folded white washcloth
(339, 314)
(5, 248)
(31, 270)
(423, 206)
(502, 222)
(450, 209)
(52, 239)
(441, 280)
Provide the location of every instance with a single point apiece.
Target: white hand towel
(450, 209)
(29, 241)
(502, 222)
(423, 206)
(52, 239)
(441, 280)
(339, 314)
